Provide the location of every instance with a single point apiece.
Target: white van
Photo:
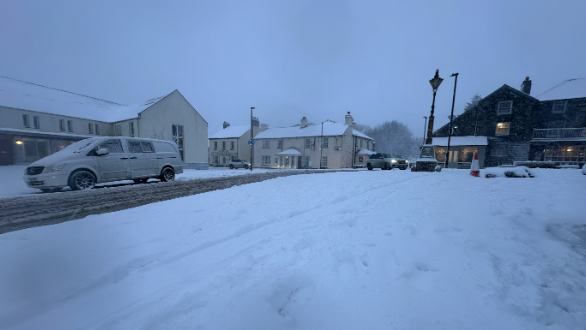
(104, 159)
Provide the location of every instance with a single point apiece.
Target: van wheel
(369, 167)
(167, 174)
(231, 166)
(82, 180)
(140, 180)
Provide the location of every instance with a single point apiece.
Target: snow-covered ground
(11, 183)
(350, 250)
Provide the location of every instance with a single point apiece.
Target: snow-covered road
(358, 250)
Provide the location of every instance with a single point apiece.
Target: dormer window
(504, 108)
(559, 106)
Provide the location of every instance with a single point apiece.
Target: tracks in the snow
(45, 209)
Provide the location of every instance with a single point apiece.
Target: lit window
(503, 128)
(504, 108)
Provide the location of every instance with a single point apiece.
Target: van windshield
(78, 146)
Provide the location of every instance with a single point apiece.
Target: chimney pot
(526, 86)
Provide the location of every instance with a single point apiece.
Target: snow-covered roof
(365, 152)
(329, 129)
(29, 96)
(290, 152)
(460, 141)
(569, 89)
(39, 133)
(231, 132)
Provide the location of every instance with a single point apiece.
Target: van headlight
(393, 160)
(54, 168)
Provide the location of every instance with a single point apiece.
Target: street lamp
(424, 128)
(251, 139)
(435, 83)
(451, 118)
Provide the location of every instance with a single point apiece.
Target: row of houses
(326, 145)
(510, 125)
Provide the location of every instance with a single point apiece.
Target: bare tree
(473, 102)
(392, 137)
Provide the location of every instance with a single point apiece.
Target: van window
(146, 146)
(164, 147)
(134, 147)
(114, 146)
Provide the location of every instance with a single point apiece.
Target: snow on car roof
(568, 89)
(460, 141)
(30, 96)
(329, 129)
(231, 132)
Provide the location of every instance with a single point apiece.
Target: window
(360, 159)
(113, 145)
(286, 161)
(276, 160)
(361, 141)
(280, 144)
(324, 162)
(266, 160)
(118, 130)
(306, 161)
(131, 128)
(177, 131)
(61, 124)
(26, 121)
(70, 125)
(215, 145)
(216, 159)
(36, 122)
(559, 107)
(504, 108)
(146, 146)
(367, 145)
(307, 143)
(97, 129)
(90, 128)
(134, 147)
(325, 142)
(502, 128)
(293, 161)
(223, 145)
(466, 154)
(231, 145)
(266, 144)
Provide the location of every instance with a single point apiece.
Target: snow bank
(350, 250)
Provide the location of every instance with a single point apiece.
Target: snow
(231, 132)
(509, 171)
(349, 250)
(460, 141)
(13, 185)
(568, 89)
(290, 152)
(365, 152)
(29, 96)
(329, 129)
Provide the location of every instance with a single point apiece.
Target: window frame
(307, 143)
(266, 144)
(26, 121)
(62, 125)
(215, 145)
(90, 128)
(324, 161)
(555, 104)
(97, 129)
(231, 145)
(325, 142)
(70, 125)
(508, 124)
(36, 122)
(500, 110)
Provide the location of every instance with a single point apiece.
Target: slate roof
(30, 96)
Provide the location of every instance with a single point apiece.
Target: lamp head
(436, 81)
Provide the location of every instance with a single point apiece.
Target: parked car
(238, 163)
(386, 162)
(104, 159)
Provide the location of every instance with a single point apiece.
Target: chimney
(226, 125)
(255, 122)
(349, 120)
(304, 123)
(263, 127)
(526, 86)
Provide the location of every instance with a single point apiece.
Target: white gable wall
(157, 122)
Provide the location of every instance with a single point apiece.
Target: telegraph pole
(251, 142)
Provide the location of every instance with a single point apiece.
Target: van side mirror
(102, 151)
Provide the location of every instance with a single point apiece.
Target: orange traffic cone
(475, 167)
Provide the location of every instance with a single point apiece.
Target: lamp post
(451, 118)
(251, 139)
(435, 83)
(424, 128)
(321, 148)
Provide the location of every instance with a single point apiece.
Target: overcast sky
(294, 58)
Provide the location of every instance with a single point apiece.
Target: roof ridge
(60, 90)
